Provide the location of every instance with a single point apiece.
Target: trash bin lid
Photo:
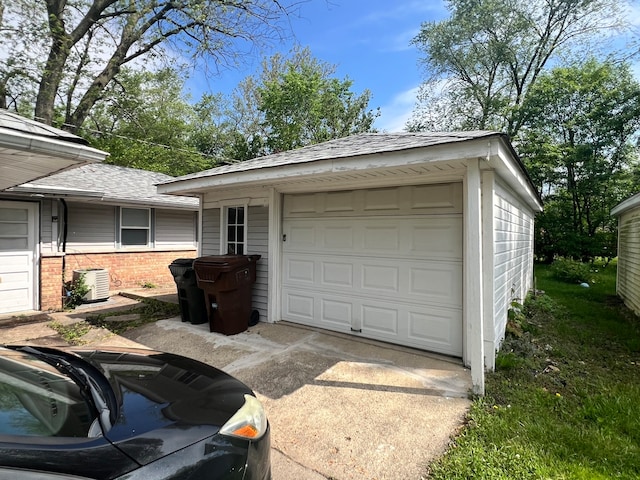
(183, 262)
(224, 263)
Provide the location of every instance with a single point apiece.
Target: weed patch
(71, 333)
(151, 311)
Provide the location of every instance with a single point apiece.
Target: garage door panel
(337, 274)
(379, 320)
(441, 238)
(301, 236)
(384, 278)
(437, 283)
(337, 237)
(395, 277)
(431, 328)
(442, 329)
(383, 239)
(336, 314)
(300, 270)
(299, 307)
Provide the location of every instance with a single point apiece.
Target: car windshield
(38, 398)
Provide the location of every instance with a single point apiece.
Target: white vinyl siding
(48, 242)
(258, 239)
(91, 228)
(175, 229)
(381, 263)
(211, 231)
(513, 256)
(629, 258)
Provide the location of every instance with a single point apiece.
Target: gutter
(49, 146)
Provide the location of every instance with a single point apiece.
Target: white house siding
(175, 229)
(48, 242)
(211, 231)
(258, 243)
(513, 263)
(91, 228)
(629, 258)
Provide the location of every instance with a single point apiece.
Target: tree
(296, 101)
(302, 108)
(145, 121)
(483, 60)
(579, 142)
(68, 52)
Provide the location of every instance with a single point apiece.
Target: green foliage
(303, 106)
(75, 291)
(563, 401)
(582, 123)
(72, 333)
(144, 121)
(571, 271)
(150, 311)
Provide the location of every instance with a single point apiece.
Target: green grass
(564, 402)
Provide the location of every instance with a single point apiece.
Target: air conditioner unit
(97, 279)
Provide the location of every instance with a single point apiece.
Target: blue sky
(368, 41)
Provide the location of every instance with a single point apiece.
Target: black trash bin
(227, 281)
(190, 296)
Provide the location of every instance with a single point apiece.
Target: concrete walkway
(339, 407)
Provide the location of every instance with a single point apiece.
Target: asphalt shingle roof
(13, 121)
(352, 146)
(114, 184)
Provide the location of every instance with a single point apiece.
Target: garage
(420, 239)
(381, 263)
(17, 256)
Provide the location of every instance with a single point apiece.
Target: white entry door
(384, 264)
(18, 240)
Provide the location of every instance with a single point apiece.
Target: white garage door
(383, 263)
(17, 256)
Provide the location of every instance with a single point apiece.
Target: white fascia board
(628, 204)
(124, 202)
(502, 161)
(54, 191)
(50, 146)
(295, 171)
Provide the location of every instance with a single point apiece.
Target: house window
(236, 230)
(135, 226)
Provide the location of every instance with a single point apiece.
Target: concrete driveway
(339, 407)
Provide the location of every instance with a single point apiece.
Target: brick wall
(51, 283)
(126, 270)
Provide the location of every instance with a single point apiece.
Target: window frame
(224, 230)
(149, 228)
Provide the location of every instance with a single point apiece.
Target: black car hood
(166, 402)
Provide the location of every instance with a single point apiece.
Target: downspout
(65, 216)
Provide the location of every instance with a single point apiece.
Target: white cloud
(394, 115)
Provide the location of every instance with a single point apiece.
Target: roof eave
(625, 205)
(50, 146)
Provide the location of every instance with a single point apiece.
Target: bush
(570, 271)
